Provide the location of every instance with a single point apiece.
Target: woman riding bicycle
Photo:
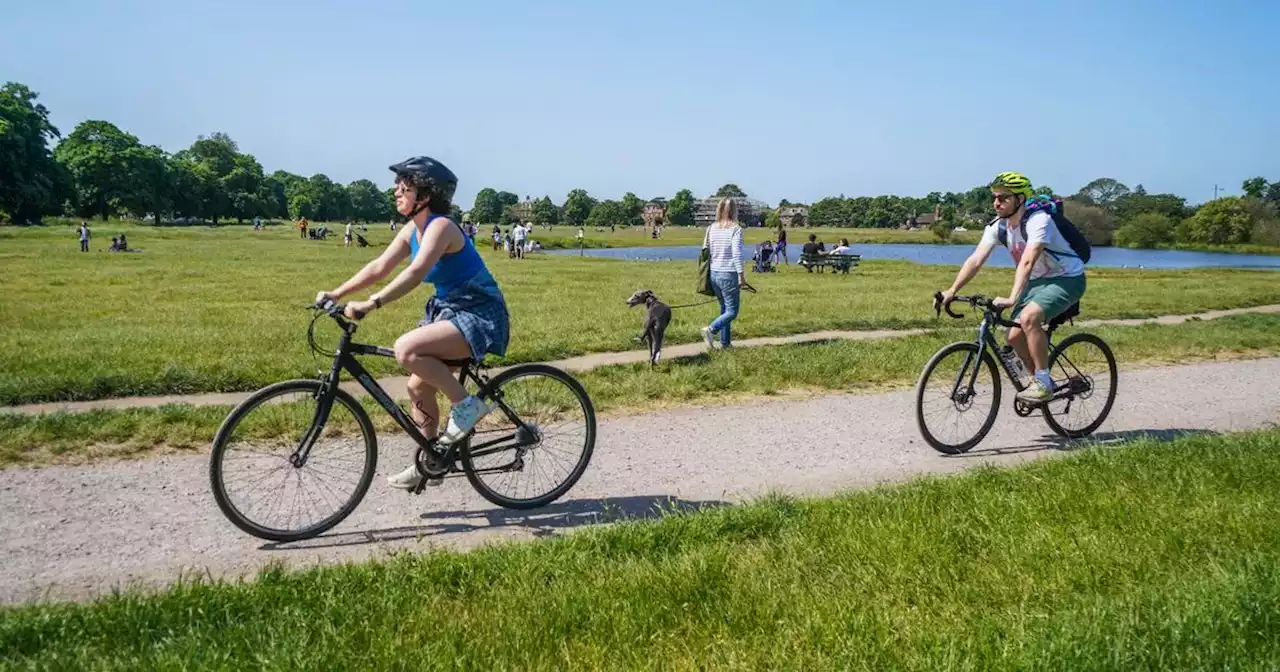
(466, 318)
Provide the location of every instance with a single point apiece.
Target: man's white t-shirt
(1040, 229)
(518, 232)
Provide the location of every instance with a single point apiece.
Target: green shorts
(1053, 295)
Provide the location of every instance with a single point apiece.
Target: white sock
(1042, 375)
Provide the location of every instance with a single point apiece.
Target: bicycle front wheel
(954, 415)
(259, 484)
(1085, 378)
(535, 445)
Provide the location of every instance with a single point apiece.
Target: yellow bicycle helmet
(1016, 183)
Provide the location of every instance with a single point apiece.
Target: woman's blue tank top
(451, 270)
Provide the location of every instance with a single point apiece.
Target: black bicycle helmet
(430, 178)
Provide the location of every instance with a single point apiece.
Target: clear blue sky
(798, 101)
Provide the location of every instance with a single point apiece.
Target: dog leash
(745, 286)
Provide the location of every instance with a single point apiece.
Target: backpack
(1053, 205)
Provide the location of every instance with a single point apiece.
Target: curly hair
(440, 195)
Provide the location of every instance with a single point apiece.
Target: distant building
(750, 211)
(655, 211)
(794, 215)
(522, 210)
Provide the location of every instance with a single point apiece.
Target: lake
(954, 255)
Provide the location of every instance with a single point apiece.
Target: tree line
(99, 170)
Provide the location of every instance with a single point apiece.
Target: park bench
(836, 262)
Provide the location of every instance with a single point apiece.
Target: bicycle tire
(1113, 373)
(922, 384)
(238, 413)
(520, 371)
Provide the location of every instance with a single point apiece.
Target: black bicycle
(1082, 367)
(295, 458)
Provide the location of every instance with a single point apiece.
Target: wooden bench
(836, 262)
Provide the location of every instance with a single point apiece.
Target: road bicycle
(312, 447)
(1082, 367)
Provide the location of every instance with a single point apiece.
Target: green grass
(1147, 556)
(27, 440)
(203, 309)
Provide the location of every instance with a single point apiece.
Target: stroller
(763, 259)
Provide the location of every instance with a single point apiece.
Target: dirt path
(395, 385)
(74, 532)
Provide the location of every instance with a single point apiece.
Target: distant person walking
(724, 240)
(84, 237)
(780, 251)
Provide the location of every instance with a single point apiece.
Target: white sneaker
(463, 418)
(708, 337)
(409, 478)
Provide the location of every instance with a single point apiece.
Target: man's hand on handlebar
(1000, 303)
(358, 309)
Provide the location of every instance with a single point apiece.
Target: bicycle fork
(324, 405)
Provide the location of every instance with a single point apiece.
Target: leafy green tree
(608, 213)
(577, 207)
(366, 201)
(1134, 204)
(1273, 194)
(31, 182)
(680, 209)
(100, 158)
(545, 212)
(487, 209)
(1096, 223)
(1147, 230)
(730, 190)
(1254, 187)
(773, 220)
(1224, 221)
(1102, 192)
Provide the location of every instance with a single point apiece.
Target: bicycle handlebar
(977, 300)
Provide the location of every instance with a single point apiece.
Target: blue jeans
(725, 285)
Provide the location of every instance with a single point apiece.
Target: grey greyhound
(656, 319)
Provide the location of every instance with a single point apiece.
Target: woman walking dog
(728, 277)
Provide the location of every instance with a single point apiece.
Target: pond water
(954, 255)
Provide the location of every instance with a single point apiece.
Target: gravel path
(75, 532)
(395, 385)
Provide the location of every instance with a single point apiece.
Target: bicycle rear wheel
(1083, 369)
(254, 481)
(943, 392)
(535, 445)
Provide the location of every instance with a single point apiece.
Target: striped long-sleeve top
(725, 244)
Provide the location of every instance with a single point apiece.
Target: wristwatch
(377, 302)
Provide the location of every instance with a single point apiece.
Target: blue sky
(808, 100)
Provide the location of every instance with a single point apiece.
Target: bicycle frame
(345, 359)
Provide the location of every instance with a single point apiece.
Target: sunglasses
(1001, 198)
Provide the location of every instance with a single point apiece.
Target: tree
(608, 213)
(365, 199)
(773, 220)
(633, 207)
(1135, 203)
(99, 157)
(545, 212)
(784, 203)
(1102, 192)
(209, 164)
(508, 199)
(1254, 187)
(487, 209)
(455, 212)
(31, 182)
(1273, 194)
(1147, 230)
(680, 209)
(1095, 223)
(942, 229)
(1224, 221)
(730, 190)
(577, 207)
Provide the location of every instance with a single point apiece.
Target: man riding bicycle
(466, 318)
(1049, 278)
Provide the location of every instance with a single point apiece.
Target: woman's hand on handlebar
(358, 309)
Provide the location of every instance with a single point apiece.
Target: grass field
(203, 309)
(1146, 556)
(720, 377)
